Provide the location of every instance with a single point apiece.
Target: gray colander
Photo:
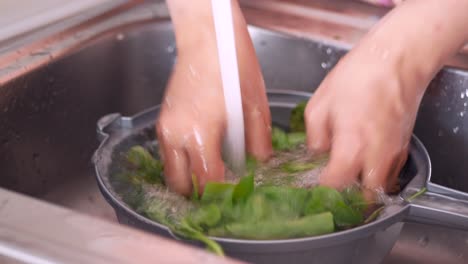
(369, 243)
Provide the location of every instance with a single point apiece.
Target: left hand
(365, 109)
(364, 113)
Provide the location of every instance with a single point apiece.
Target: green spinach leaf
(328, 199)
(243, 189)
(296, 121)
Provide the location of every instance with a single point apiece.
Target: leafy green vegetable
(279, 139)
(255, 209)
(147, 166)
(296, 138)
(217, 191)
(296, 121)
(355, 199)
(283, 141)
(184, 229)
(250, 164)
(243, 210)
(292, 167)
(325, 199)
(311, 225)
(374, 215)
(417, 194)
(205, 216)
(286, 201)
(243, 189)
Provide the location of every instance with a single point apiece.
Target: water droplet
(466, 92)
(323, 65)
(423, 241)
(462, 113)
(329, 51)
(462, 95)
(455, 130)
(170, 49)
(465, 104)
(120, 36)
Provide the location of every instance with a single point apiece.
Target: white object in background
(234, 141)
(21, 16)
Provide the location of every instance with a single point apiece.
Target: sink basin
(48, 118)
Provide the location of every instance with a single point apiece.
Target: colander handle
(448, 209)
(104, 122)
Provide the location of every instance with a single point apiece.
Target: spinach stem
(414, 196)
(374, 215)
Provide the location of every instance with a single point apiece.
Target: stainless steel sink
(48, 117)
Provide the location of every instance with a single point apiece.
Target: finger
(381, 167)
(395, 171)
(345, 161)
(258, 132)
(374, 176)
(257, 117)
(204, 151)
(317, 129)
(176, 165)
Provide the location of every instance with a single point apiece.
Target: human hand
(364, 111)
(192, 121)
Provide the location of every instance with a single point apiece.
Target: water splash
(325, 65)
(170, 49)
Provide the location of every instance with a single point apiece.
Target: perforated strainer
(369, 243)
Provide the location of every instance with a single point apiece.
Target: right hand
(192, 121)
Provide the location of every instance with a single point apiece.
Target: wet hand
(192, 121)
(364, 111)
(364, 114)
